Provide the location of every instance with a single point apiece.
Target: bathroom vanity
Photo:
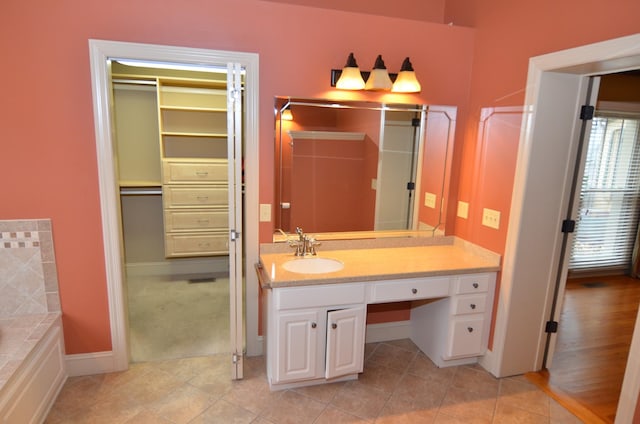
(315, 320)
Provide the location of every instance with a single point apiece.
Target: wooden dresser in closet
(193, 145)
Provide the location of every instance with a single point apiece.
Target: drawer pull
(475, 285)
(334, 325)
(414, 291)
(202, 198)
(314, 325)
(470, 329)
(202, 173)
(204, 244)
(472, 306)
(203, 221)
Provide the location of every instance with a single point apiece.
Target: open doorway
(602, 293)
(241, 143)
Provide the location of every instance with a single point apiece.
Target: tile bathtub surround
(28, 275)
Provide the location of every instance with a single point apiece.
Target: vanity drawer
(320, 295)
(473, 283)
(188, 197)
(196, 244)
(465, 337)
(471, 304)
(194, 220)
(194, 172)
(409, 289)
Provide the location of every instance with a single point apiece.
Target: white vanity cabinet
(455, 330)
(310, 341)
(316, 332)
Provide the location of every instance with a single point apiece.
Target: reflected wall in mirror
(352, 166)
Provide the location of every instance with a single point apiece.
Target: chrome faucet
(305, 245)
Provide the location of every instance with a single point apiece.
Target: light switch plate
(429, 200)
(374, 184)
(265, 212)
(491, 218)
(463, 209)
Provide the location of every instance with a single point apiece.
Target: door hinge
(551, 327)
(234, 235)
(568, 226)
(235, 358)
(411, 185)
(415, 122)
(586, 112)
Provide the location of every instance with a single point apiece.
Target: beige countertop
(371, 261)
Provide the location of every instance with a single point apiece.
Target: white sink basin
(313, 265)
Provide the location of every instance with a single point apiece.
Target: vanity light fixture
(351, 78)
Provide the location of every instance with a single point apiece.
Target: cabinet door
(345, 342)
(297, 345)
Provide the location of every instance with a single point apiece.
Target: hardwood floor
(594, 335)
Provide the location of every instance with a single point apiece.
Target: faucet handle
(311, 245)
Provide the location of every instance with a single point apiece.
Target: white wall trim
(520, 272)
(90, 363)
(386, 331)
(100, 52)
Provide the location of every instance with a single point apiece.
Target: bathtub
(32, 368)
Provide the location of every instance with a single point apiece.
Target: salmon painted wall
(48, 145)
(507, 35)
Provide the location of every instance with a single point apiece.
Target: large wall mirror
(349, 167)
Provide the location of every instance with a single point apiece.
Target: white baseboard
(90, 363)
(388, 331)
(179, 266)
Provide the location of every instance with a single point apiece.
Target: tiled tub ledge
(32, 369)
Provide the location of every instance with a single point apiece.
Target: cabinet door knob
(475, 285)
(334, 325)
(472, 306)
(470, 329)
(314, 325)
(414, 291)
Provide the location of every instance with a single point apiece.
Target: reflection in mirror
(361, 166)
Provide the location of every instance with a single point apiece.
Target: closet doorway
(172, 165)
(173, 216)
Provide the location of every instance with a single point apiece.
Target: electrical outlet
(265, 212)
(429, 200)
(491, 218)
(463, 209)
(374, 184)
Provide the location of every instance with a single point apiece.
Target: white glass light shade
(378, 80)
(286, 115)
(350, 79)
(406, 82)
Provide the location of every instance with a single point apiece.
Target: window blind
(609, 208)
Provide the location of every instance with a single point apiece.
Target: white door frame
(100, 52)
(556, 88)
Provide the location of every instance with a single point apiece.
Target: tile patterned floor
(399, 385)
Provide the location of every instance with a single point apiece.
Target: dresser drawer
(468, 304)
(194, 172)
(409, 289)
(196, 244)
(193, 196)
(190, 220)
(472, 283)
